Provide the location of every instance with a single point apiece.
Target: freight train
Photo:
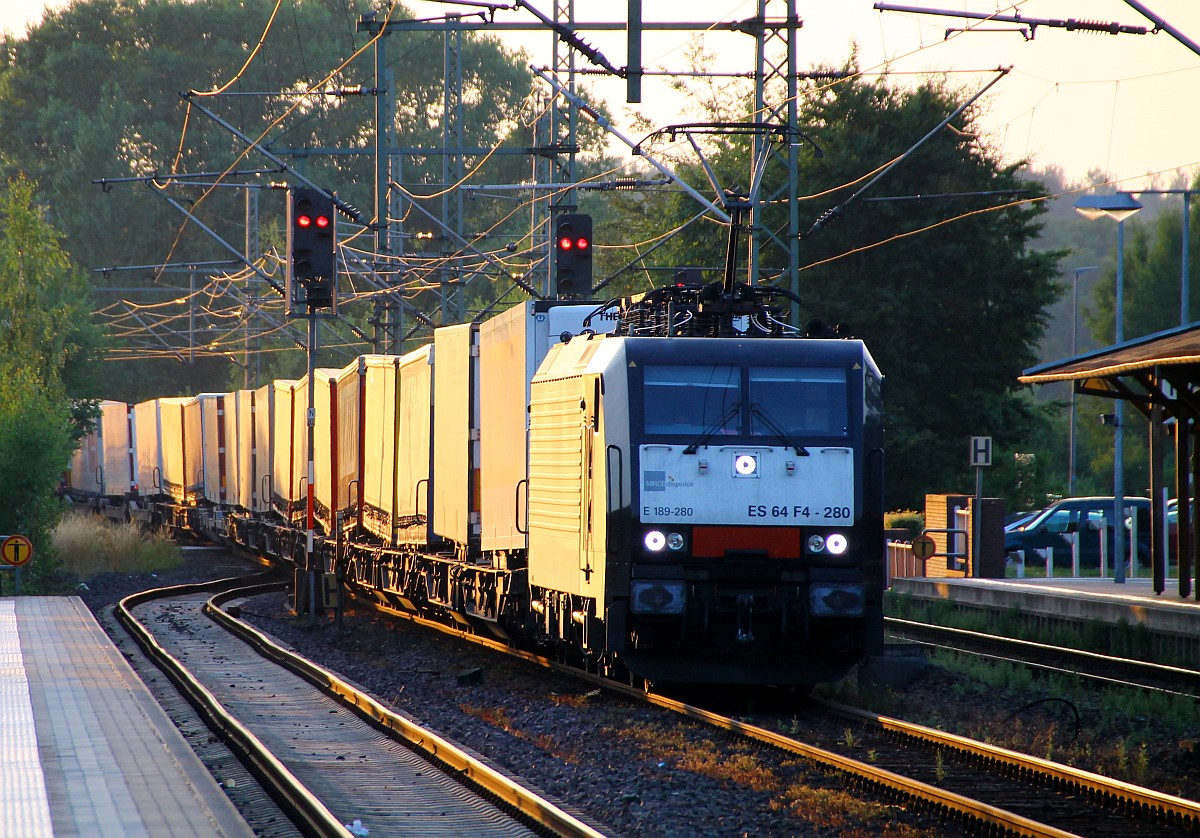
(671, 488)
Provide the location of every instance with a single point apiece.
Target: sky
(1125, 103)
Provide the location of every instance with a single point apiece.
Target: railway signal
(312, 245)
(573, 256)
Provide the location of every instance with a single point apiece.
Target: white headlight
(836, 544)
(745, 465)
(655, 541)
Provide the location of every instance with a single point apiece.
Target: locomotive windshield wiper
(712, 429)
(801, 451)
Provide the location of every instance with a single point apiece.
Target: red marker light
(304, 221)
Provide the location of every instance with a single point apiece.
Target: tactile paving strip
(24, 807)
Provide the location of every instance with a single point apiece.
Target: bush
(905, 519)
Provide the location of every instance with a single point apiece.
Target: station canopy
(1159, 369)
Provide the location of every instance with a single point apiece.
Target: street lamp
(1078, 272)
(1117, 206)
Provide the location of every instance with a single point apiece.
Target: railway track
(1105, 669)
(1056, 796)
(328, 753)
(970, 784)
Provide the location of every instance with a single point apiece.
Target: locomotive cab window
(692, 399)
(800, 402)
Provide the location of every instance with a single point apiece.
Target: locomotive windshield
(801, 402)
(692, 400)
(721, 400)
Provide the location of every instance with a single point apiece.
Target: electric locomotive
(705, 494)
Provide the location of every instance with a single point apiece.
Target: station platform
(1168, 622)
(84, 748)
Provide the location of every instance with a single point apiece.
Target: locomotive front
(709, 508)
(756, 512)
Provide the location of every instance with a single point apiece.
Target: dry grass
(838, 811)
(494, 716)
(702, 756)
(89, 545)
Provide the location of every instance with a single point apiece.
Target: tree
(94, 92)
(36, 442)
(43, 299)
(47, 345)
(945, 292)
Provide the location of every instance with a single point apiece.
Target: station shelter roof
(1162, 368)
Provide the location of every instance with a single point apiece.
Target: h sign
(981, 451)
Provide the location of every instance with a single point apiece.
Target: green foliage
(46, 345)
(36, 441)
(905, 519)
(35, 447)
(946, 293)
(94, 91)
(43, 300)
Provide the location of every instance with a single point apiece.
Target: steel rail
(534, 807)
(1169, 674)
(307, 812)
(978, 810)
(982, 812)
(1187, 811)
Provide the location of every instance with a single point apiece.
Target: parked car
(1017, 521)
(1084, 518)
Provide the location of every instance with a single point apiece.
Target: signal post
(311, 287)
(573, 256)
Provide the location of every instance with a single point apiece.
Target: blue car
(1083, 518)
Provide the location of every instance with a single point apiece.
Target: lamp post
(1117, 206)
(1078, 272)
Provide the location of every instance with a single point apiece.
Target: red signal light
(305, 221)
(582, 243)
(567, 243)
(322, 222)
